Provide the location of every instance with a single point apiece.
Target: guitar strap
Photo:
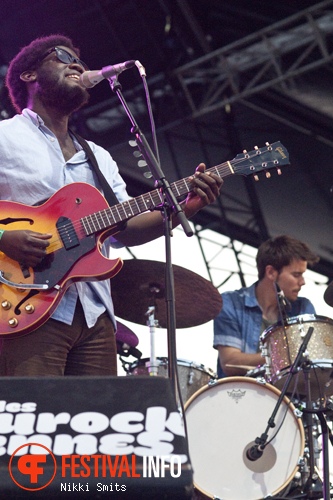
(108, 192)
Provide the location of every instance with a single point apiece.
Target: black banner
(92, 437)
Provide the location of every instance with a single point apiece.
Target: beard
(55, 94)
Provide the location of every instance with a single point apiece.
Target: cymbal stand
(152, 323)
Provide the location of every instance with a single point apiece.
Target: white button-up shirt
(32, 168)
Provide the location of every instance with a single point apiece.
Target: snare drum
(191, 375)
(281, 344)
(223, 420)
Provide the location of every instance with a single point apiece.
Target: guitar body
(71, 256)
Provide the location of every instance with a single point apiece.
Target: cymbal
(328, 295)
(141, 284)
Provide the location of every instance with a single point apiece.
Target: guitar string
(74, 226)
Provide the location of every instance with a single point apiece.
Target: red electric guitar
(80, 220)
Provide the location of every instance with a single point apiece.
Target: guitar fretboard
(121, 212)
(244, 164)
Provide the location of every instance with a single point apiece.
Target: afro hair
(27, 59)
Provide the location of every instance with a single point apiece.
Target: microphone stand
(257, 450)
(170, 206)
(309, 419)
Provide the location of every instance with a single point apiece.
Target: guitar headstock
(261, 160)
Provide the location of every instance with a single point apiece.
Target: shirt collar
(33, 117)
(250, 297)
(39, 122)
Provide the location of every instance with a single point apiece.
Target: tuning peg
(279, 171)
(142, 163)
(148, 175)
(137, 154)
(268, 175)
(132, 143)
(256, 178)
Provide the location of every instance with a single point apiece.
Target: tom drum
(281, 343)
(191, 375)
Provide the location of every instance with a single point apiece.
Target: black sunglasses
(65, 57)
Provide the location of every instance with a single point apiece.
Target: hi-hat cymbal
(328, 295)
(141, 283)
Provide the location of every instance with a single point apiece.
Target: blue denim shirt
(32, 168)
(239, 322)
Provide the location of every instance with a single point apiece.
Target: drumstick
(242, 367)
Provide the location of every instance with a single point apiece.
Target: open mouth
(74, 77)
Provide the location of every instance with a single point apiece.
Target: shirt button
(52, 139)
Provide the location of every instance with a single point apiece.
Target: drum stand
(311, 486)
(314, 488)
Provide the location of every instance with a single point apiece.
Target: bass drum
(223, 420)
(191, 375)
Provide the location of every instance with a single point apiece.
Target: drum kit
(251, 437)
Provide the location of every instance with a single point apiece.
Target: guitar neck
(115, 215)
(272, 155)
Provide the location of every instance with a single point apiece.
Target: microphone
(89, 79)
(255, 452)
(283, 301)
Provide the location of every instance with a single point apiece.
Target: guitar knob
(6, 305)
(29, 308)
(13, 322)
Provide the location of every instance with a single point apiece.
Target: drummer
(246, 313)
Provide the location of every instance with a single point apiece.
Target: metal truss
(271, 57)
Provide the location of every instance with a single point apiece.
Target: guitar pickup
(67, 233)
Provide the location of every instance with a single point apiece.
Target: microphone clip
(256, 451)
(127, 350)
(283, 303)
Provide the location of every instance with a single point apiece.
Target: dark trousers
(57, 349)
